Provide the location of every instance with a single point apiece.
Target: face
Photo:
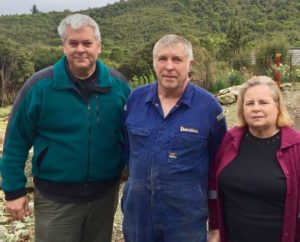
(172, 66)
(82, 50)
(260, 109)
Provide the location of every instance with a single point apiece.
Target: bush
(218, 85)
(142, 80)
(235, 78)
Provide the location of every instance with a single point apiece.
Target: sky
(24, 6)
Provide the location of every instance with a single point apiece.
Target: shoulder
(202, 93)
(142, 91)
(290, 134)
(35, 79)
(43, 74)
(117, 75)
(118, 79)
(206, 99)
(234, 133)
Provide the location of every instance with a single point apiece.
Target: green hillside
(223, 32)
(135, 22)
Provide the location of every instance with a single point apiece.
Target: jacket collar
(61, 79)
(185, 99)
(289, 136)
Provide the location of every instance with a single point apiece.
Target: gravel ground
(12, 231)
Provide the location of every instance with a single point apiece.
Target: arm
(217, 135)
(218, 130)
(18, 140)
(125, 172)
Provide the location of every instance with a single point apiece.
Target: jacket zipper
(89, 139)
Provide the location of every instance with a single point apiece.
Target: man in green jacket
(70, 113)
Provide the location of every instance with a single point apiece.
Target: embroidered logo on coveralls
(189, 130)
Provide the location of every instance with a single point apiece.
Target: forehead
(259, 91)
(171, 50)
(86, 32)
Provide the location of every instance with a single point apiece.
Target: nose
(256, 106)
(169, 65)
(80, 48)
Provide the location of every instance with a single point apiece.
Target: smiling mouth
(170, 77)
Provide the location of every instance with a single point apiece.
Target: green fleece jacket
(75, 140)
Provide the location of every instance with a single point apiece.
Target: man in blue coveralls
(174, 129)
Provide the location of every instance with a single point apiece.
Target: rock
(286, 87)
(22, 234)
(227, 98)
(3, 232)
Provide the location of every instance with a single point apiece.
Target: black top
(252, 189)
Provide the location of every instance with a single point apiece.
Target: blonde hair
(283, 118)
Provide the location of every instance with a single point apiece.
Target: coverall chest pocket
(186, 148)
(138, 138)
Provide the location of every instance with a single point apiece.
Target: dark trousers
(75, 222)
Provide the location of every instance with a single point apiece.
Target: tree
(15, 67)
(34, 9)
(237, 38)
(140, 63)
(44, 56)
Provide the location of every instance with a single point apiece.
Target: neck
(263, 132)
(168, 99)
(83, 74)
(175, 93)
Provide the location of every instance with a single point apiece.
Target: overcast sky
(24, 6)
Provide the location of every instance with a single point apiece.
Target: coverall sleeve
(126, 140)
(217, 132)
(20, 132)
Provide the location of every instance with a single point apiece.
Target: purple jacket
(289, 159)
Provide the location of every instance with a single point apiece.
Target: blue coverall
(165, 198)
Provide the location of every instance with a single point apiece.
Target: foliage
(286, 73)
(266, 52)
(218, 85)
(203, 67)
(15, 67)
(142, 80)
(235, 78)
(220, 30)
(44, 56)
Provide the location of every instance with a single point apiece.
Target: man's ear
(191, 65)
(99, 48)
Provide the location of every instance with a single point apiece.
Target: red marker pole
(277, 73)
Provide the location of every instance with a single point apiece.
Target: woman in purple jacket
(255, 179)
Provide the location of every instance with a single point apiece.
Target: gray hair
(171, 40)
(77, 21)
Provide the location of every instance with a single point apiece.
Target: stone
(3, 232)
(227, 98)
(286, 87)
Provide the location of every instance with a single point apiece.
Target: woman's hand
(214, 236)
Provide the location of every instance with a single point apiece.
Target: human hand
(214, 236)
(124, 176)
(18, 209)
